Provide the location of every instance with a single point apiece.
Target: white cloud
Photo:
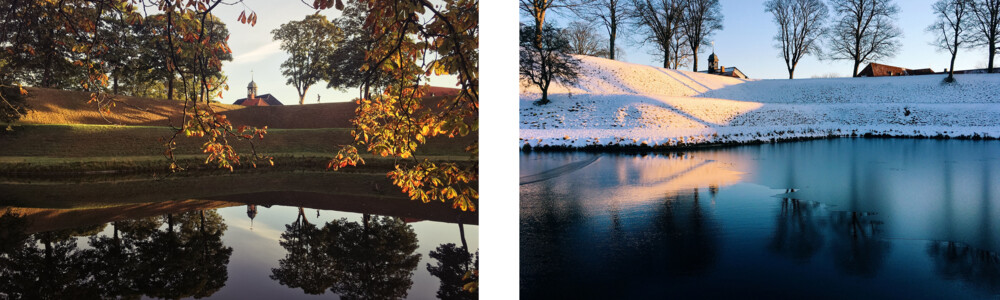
(258, 54)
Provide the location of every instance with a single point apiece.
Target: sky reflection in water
(286, 252)
(867, 218)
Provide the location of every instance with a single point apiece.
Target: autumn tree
(550, 63)
(701, 19)
(863, 31)
(184, 63)
(346, 61)
(986, 25)
(310, 44)
(412, 40)
(800, 26)
(661, 22)
(38, 49)
(951, 29)
(583, 41)
(396, 120)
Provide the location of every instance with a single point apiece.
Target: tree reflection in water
(453, 263)
(373, 259)
(978, 267)
(137, 259)
(795, 232)
(856, 247)
(682, 243)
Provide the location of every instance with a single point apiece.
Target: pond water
(837, 218)
(281, 244)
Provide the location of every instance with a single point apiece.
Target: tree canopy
(310, 43)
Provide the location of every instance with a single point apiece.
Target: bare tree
(551, 62)
(610, 13)
(679, 50)
(701, 19)
(864, 31)
(986, 23)
(661, 22)
(951, 28)
(536, 9)
(584, 41)
(800, 25)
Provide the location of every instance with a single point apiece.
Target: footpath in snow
(618, 103)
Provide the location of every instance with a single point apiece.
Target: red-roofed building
(879, 70)
(253, 99)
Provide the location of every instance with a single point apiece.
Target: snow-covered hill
(629, 104)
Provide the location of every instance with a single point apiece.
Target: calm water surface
(262, 245)
(841, 218)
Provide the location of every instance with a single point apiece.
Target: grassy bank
(54, 149)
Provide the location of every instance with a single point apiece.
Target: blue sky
(746, 41)
(253, 49)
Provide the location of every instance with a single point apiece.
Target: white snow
(621, 103)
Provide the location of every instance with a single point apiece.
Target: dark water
(271, 248)
(841, 218)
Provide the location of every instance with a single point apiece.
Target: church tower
(251, 90)
(713, 63)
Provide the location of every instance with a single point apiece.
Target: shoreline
(645, 148)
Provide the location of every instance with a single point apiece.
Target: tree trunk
(666, 60)
(951, 68)
(114, 90)
(302, 99)
(170, 88)
(545, 96)
(611, 40)
(461, 231)
(791, 73)
(993, 52)
(539, 23)
(856, 64)
(694, 63)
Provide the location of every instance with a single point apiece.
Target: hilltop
(618, 103)
(63, 133)
(49, 106)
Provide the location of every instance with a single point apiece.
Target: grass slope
(50, 106)
(63, 133)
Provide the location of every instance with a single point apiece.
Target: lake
(249, 236)
(832, 218)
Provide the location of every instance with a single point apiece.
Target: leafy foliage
(397, 120)
(453, 264)
(311, 44)
(347, 60)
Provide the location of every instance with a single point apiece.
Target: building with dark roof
(879, 70)
(714, 68)
(253, 99)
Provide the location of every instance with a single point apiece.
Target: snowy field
(617, 103)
